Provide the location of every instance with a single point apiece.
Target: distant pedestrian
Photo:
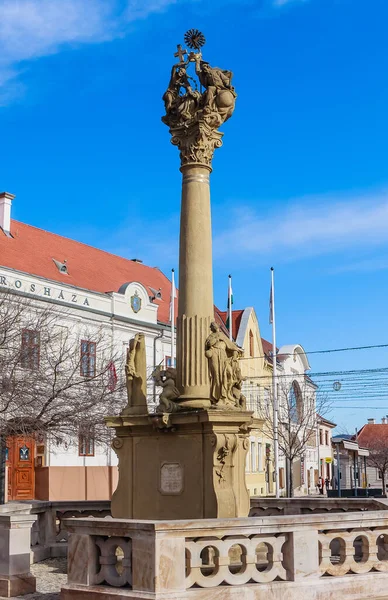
(321, 485)
(327, 483)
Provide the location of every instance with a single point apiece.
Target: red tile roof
(31, 250)
(372, 433)
(236, 320)
(267, 347)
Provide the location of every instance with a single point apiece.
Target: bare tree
(378, 458)
(299, 403)
(57, 377)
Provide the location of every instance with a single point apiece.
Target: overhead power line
(327, 351)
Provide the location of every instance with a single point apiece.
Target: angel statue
(166, 379)
(179, 108)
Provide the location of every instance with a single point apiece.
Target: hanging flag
(112, 381)
(271, 305)
(173, 295)
(172, 317)
(229, 319)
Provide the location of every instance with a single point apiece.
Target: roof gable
(372, 433)
(32, 250)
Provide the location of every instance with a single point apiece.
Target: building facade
(98, 293)
(257, 373)
(297, 412)
(325, 450)
(350, 465)
(374, 436)
(88, 290)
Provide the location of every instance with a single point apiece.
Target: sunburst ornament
(194, 39)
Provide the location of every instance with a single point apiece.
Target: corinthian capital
(196, 143)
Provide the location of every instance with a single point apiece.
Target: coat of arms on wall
(135, 302)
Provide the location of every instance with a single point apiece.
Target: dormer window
(61, 266)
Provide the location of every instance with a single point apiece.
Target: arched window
(251, 344)
(295, 403)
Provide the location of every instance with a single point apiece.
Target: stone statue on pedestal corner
(136, 377)
(225, 374)
(166, 379)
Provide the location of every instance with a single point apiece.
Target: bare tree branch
(44, 388)
(299, 404)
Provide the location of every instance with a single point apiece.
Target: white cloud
(140, 9)
(307, 227)
(376, 263)
(30, 29)
(280, 3)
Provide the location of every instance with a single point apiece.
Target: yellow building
(256, 367)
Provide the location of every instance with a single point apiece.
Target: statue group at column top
(184, 104)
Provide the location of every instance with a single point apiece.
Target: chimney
(5, 211)
(384, 420)
(371, 421)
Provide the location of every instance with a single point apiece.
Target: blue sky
(301, 182)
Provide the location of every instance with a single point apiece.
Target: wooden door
(21, 472)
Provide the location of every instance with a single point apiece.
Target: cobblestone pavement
(50, 577)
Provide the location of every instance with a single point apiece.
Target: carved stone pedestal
(186, 465)
(15, 542)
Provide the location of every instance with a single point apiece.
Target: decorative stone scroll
(114, 552)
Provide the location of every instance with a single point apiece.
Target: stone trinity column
(194, 118)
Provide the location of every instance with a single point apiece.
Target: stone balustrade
(48, 536)
(307, 505)
(273, 557)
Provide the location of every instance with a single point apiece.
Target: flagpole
(172, 318)
(230, 308)
(274, 387)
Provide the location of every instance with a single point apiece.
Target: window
(260, 457)
(266, 398)
(321, 437)
(268, 452)
(253, 457)
(326, 438)
(281, 477)
(24, 453)
(30, 349)
(88, 358)
(86, 442)
(295, 403)
(168, 362)
(251, 344)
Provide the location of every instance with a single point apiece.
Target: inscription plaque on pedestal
(171, 479)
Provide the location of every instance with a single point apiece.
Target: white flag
(173, 295)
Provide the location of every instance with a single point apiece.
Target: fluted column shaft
(195, 284)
